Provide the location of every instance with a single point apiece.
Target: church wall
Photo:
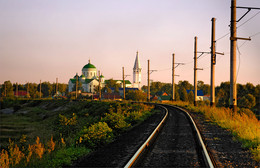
(89, 73)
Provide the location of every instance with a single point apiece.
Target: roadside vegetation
(47, 133)
(244, 125)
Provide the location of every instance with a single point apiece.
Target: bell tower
(137, 73)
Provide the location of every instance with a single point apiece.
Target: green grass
(42, 118)
(243, 125)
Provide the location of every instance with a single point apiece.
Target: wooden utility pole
(148, 82)
(123, 83)
(77, 77)
(40, 89)
(16, 89)
(99, 85)
(195, 72)
(213, 63)
(173, 84)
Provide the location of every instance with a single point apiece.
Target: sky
(49, 39)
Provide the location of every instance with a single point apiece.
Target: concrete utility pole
(56, 86)
(123, 83)
(173, 84)
(195, 72)
(99, 85)
(213, 63)
(77, 77)
(148, 82)
(28, 90)
(40, 89)
(5, 89)
(124, 76)
(233, 43)
(173, 75)
(16, 89)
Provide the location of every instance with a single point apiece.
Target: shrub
(116, 121)
(97, 134)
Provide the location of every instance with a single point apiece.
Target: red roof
(111, 96)
(21, 93)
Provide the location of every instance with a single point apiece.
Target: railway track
(178, 144)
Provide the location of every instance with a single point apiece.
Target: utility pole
(173, 75)
(16, 90)
(28, 90)
(213, 63)
(233, 43)
(5, 89)
(40, 89)
(99, 85)
(124, 76)
(195, 72)
(77, 86)
(123, 83)
(173, 84)
(148, 82)
(56, 86)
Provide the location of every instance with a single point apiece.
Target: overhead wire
(249, 19)
(240, 26)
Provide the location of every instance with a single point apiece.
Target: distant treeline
(247, 95)
(47, 89)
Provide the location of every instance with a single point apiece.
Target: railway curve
(179, 144)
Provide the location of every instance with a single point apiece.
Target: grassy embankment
(244, 125)
(54, 133)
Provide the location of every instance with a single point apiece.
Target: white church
(89, 78)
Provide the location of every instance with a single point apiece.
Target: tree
(47, 89)
(247, 101)
(155, 87)
(33, 90)
(7, 89)
(183, 94)
(191, 96)
(112, 84)
(204, 87)
(135, 95)
(185, 84)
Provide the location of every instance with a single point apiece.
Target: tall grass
(244, 126)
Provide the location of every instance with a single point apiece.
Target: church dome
(76, 76)
(89, 65)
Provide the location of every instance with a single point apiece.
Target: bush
(97, 134)
(116, 121)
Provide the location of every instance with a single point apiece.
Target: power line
(254, 34)
(248, 19)
(239, 54)
(240, 26)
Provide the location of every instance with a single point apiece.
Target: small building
(21, 93)
(199, 94)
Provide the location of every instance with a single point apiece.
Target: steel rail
(205, 153)
(146, 144)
